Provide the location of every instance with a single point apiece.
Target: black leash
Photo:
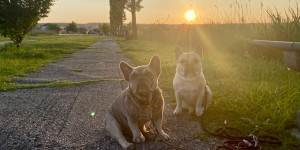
(236, 139)
(240, 141)
(237, 142)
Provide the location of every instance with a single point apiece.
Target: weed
(76, 70)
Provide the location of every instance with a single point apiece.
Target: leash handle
(255, 139)
(247, 143)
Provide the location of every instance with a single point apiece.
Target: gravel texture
(60, 118)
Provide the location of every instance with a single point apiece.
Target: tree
(53, 27)
(104, 28)
(18, 17)
(117, 15)
(72, 27)
(134, 6)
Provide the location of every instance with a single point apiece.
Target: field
(252, 89)
(33, 55)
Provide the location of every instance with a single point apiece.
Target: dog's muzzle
(144, 94)
(145, 97)
(142, 88)
(190, 69)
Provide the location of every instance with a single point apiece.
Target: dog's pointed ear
(126, 70)
(199, 51)
(155, 64)
(178, 52)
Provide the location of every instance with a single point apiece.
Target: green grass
(76, 70)
(33, 55)
(2, 38)
(250, 93)
(44, 37)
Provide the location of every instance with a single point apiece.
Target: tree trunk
(18, 42)
(122, 31)
(133, 13)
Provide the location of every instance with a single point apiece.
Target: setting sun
(190, 15)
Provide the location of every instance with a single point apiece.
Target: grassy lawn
(33, 55)
(43, 37)
(2, 38)
(252, 94)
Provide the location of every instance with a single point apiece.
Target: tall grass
(285, 26)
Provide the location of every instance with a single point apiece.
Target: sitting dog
(139, 103)
(189, 83)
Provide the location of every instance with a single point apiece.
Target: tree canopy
(53, 27)
(72, 27)
(104, 28)
(134, 6)
(18, 17)
(117, 14)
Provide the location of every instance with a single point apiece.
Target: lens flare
(93, 114)
(190, 15)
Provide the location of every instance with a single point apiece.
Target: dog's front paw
(164, 136)
(177, 111)
(129, 146)
(199, 111)
(139, 139)
(150, 135)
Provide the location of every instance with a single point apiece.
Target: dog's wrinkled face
(189, 65)
(142, 79)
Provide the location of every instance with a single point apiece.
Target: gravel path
(60, 118)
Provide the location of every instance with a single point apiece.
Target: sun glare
(190, 15)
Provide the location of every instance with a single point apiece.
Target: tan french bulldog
(189, 83)
(131, 110)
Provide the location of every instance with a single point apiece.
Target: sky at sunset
(166, 11)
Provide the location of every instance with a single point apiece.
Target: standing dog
(189, 83)
(139, 103)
